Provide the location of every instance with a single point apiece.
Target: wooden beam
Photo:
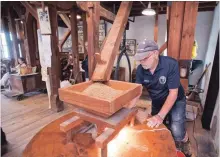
(30, 9)
(70, 124)
(74, 36)
(97, 21)
(63, 40)
(156, 27)
(107, 15)
(104, 13)
(163, 47)
(29, 42)
(93, 35)
(54, 71)
(188, 33)
(175, 29)
(13, 34)
(103, 71)
(168, 9)
(65, 19)
(85, 35)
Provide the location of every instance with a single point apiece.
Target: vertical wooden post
(54, 71)
(74, 36)
(104, 151)
(93, 42)
(29, 41)
(156, 26)
(5, 28)
(36, 52)
(85, 36)
(13, 34)
(188, 32)
(97, 21)
(175, 29)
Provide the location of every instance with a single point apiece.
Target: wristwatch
(162, 117)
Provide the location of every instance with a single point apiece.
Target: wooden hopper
(74, 95)
(105, 60)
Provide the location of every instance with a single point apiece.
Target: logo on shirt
(146, 81)
(162, 79)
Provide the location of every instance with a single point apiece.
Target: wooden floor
(21, 120)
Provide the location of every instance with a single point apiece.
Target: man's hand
(154, 121)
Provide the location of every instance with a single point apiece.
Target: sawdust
(102, 91)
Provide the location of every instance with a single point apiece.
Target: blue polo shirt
(166, 76)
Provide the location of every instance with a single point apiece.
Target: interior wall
(210, 53)
(203, 29)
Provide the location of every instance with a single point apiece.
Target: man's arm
(173, 83)
(171, 98)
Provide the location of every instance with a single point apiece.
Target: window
(3, 46)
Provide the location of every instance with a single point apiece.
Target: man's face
(149, 61)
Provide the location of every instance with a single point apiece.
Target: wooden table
(21, 84)
(137, 141)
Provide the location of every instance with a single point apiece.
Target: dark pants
(176, 119)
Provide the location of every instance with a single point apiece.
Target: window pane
(3, 39)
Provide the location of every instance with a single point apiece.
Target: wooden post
(163, 47)
(65, 37)
(175, 29)
(156, 26)
(85, 36)
(104, 151)
(13, 34)
(188, 32)
(29, 41)
(93, 35)
(54, 71)
(36, 50)
(74, 36)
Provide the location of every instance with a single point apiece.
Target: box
(191, 110)
(105, 108)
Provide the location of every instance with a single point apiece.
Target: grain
(102, 91)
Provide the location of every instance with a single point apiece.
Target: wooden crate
(105, 108)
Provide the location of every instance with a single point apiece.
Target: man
(160, 75)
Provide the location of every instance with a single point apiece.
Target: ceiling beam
(104, 13)
(30, 9)
(66, 20)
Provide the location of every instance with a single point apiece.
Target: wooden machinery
(109, 116)
(95, 122)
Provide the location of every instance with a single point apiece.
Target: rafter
(30, 9)
(104, 13)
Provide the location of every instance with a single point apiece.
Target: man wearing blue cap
(160, 75)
